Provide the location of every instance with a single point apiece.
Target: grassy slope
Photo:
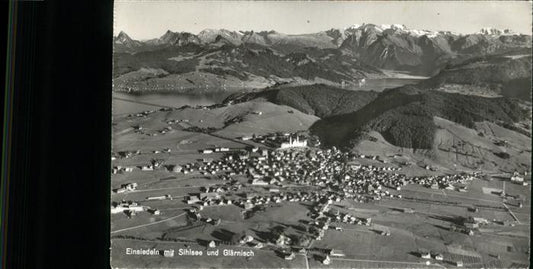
(458, 148)
(318, 99)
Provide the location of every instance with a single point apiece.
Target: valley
(373, 146)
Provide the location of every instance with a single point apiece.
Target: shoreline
(401, 75)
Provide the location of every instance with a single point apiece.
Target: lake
(379, 85)
(124, 103)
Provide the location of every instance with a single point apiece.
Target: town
(332, 191)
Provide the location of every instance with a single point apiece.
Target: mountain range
(364, 35)
(382, 46)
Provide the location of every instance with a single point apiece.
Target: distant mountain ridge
(384, 46)
(224, 60)
(335, 36)
(495, 75)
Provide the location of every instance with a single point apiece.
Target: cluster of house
(332, 170)
(350, 219)
(468, 225)
(164, 130)
(154, 164)
(456, 182)
(121, 169)
(321, 216)
(195, 214)
(320, 222)
(237, 239)
(316, 229)
(215, 196)
(216, 149)
(126, 188)
(250, 201)
(128, 207)
(125, 154)
(141, 114)
(166, 150)
(131, 208)
(208, 199)
(140, 130)
(427, 255)
(517, 178)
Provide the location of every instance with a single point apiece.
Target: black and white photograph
(321, 134)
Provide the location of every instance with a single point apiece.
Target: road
(173, 208)
(457, 196)
(148, 224)
(142, 103)
(153, 200)
(170, 188)
(249, 144)
(511, 212)
(399, 262)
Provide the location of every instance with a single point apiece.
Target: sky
(152, 18)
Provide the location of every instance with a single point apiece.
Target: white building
(131, 208)
(118, 209)
(294, 143)
(147, 168)
(336, 253)
(326, 260)
(517, 179)
(162, 197)
(259, 182)
(425, 255)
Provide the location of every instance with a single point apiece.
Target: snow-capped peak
(494, 31)
(397, 28)
(355, 26)
(214, 35)
(219, 32)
